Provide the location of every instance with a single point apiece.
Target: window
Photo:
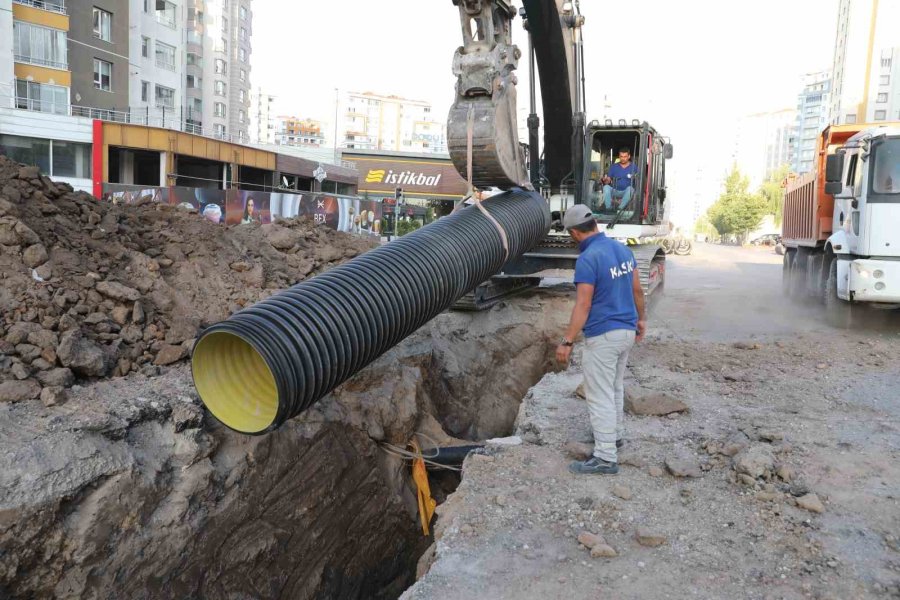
(220, 88)
(102, 75)
(219, 109)
(851, 119)
(880, 115)
(42, 97)
(147, 5)
(165, 56)
(243, 75)
(240, 116)
(165, 97)
(145, 46)
(56, 159)
(165, 13)
(221, 67)
(194, 81)
(886, 171)
(222, 46)
(219, 130)
(885, 80)
(145, 91)
(102, 24)
(241, 96)
(39, 45)
(243, 12)
(243, 54)
(194, 60)
(243, 33)
(224, 25)
(882, 98)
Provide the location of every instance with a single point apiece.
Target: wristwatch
(567, 343)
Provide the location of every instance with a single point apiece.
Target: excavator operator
(619, 182)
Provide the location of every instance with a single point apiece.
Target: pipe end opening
(234, 382)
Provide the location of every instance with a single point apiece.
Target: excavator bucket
(482, 134)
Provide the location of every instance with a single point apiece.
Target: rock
(811, 503)
(735, 443)
(756, 462)
(29, 173)
(590, 540)
(766, 496)
(49, 355)
(630, 459)
(771, 436)
(18, 333)
(603, 551)
(620, 491)
(19, 391)
(95, 318)
(656, 404)
(786, 473)
(35, 256)
(579, 450)
(57, 378)
(467, 529)
(40, 364)
(20, 372)
(280, 237)
(746, 346)
(579, 391)
(28, 352)
(82, 355)
(120, 315)
(117, 291)
(683, 465)
(137, 313)
(647, 537)
(186, 416)
(169, 354)
(655, 471)
(53, 396)
(43, 338)
(44, 272)
(240, 266)
(747, 480)
(8, 236)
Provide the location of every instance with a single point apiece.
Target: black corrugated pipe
(270, 362)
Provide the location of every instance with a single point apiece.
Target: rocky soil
(780, 480)
(89, 289)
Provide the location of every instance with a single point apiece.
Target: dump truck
(842, 223)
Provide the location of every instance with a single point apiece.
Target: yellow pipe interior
(234, 382)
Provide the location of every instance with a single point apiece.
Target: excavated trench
(131, 492)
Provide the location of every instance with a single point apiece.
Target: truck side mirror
(668, 151)
(833, 188)
(662, 194)
(834, 168)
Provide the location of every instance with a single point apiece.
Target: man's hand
(563, 353)
(606, 180)
(641, 331)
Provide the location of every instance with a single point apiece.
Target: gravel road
(780, 481)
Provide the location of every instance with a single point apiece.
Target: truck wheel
(779, 249)
(798, 275)
(839, 313)
(786, 274)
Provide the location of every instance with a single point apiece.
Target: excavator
(484, 145)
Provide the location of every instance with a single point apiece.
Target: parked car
(770, 239)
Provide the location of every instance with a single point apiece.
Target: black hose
(270, 362)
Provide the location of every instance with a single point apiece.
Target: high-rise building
(764, 143)
(864, 54)
(262, 124)
(305, 133)
(376, 122)
(157, 78)
(34, 55)
(218, 52)
(813, 105)
(98, 54)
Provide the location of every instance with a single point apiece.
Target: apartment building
(35, 55)
(392, 123)
(157, 78)
(864, 86)
(262, 123)
(293, 131)
(813, 108)
(763, 143)
(98, 53)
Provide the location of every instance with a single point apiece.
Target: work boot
(594, 466)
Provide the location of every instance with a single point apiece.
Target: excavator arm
(482, 127)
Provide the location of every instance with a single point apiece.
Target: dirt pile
(89, 289)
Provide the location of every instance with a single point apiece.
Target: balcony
(57, 7)
(28, 60)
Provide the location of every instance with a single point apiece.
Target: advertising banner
(423, 176)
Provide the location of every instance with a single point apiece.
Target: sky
(691, 68)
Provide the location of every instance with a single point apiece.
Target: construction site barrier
(272, 361)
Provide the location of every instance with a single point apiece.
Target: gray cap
(577, 215)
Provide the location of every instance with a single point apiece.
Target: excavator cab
(644, 202)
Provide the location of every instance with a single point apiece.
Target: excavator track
(651, 262)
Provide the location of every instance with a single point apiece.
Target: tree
(704, 227)
(737, 211)
(773, 191)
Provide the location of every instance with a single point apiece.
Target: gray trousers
(604, 360)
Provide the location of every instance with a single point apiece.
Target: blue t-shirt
(623, 177)
(609, 266)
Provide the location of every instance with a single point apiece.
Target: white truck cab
(864, 178)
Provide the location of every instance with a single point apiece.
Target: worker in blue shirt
(609, 309)
(619, 182)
